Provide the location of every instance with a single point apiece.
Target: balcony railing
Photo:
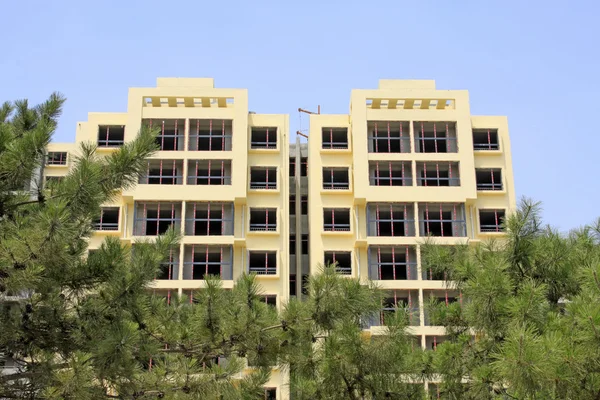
(272, 185)
(393, 271)
(336, 227)
(198, 270)
(263, 227)
(106, 226)
(489, 186)
(262, 270)
(208, 227)
(384, 227)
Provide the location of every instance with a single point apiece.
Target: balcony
(485, 140)
(263, 138)
(263, 220)
(491, 221)
(489, 179)
(210, 135)
(388, 137)
(209, 172)
(201, 261)
(435, 137)
(171, 133)
(262, 262)
(342, 260)
(336, 220)
(163, 172)
(390, 219)
(111, 136)
(392, 263)
(390, 173)
(438, 174)
(334, 138)
(442, 219)
(263, 178)
(155, 218)
(336, 179)
(398, 301)
(209, 219)
(109, 219)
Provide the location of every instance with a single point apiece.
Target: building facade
(409, 161)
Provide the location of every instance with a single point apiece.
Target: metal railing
(389, 181)
(270, 145)
(336, 185)
(210, 179)
(106, 226)
(491, 228)
(429, 275)
(489, 186)
(263, 227)
(110, 142)
(343, 270)
(263, 185)
(385, 144)
(486, 146)
(435, 181)
(379, 319)
(337, 227)
(380, 227)
(140, 227)
(170, 180)
(335, 145)
(262, 270)
(178, 140)
(168, 271)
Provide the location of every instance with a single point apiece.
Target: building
(408, 161)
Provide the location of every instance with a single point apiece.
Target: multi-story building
(407, 162)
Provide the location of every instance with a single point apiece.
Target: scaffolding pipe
(210, 135)
(376, 140)
(162, 136)
(435, 137)
(223, 135)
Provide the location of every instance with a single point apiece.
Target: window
(111, 135)
(442, 219)
(271, 300)
(397, 299)
(292, 166)
(292, 204)
(485, 139)
(170, 135)
(488, 179)
(263, 138)
(262, 262)
(293, 285)
(304, 205)
(336, 178)
(163, 172)
(210, 135)
(491, 220)
(392, 263)
(390, 173)
(303, 166)
(263, 219)
(56, 158)
(201, 261)
(270, 394)
(435, 137)
(438, 174)
(388, 137)
(390, 219)
(336, 220)
(341, 259)
(53, 180)
(334, 138)
(209, 172)
(305, 244)
(109, 219)
(156, 218)
(292, 244)
(209, 219)
(169, 268)
(263, 178)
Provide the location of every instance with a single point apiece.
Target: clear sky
(536, 61)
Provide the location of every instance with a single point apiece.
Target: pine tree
(529, 323)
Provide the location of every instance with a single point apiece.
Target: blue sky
(535, 61)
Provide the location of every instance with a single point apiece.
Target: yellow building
(407, 162)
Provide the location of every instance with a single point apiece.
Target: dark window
(263, 219)
(111, 135)
(109, 219)
(442, 219)
(293, 285)
(304, 166)
(292, 166)
(491, 220)
(334, 138)
(270, 394)
(170, 133)
(209, 172)
(304, 205)
(435, 137)
(263, 178)
(438, 174)
(305, 244)
(271, 300)
(292, 204)
(210, 135)
(56, 158)
(488, 179)
(262, 262)
(206, 263)
(391, 173)
(341, 259)
(485, 139)
(263, 138)
(336, 178)
(336, 219)
(292, 244)
(209, 219)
